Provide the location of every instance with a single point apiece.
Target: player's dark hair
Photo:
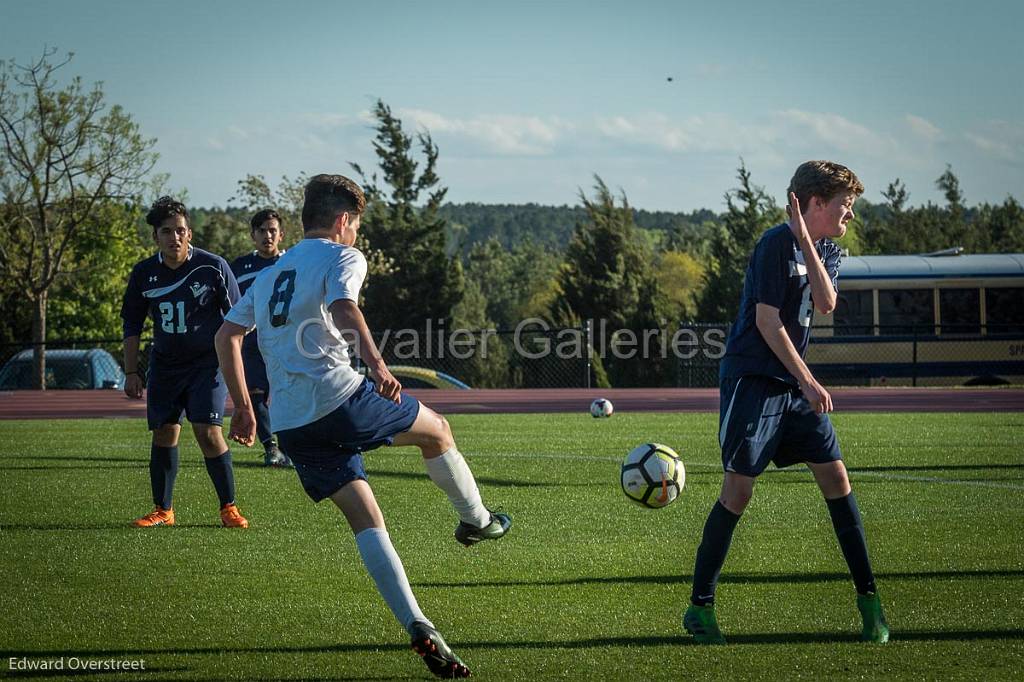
(262, 217)
(328, 196)
(165, 207)
(822, 179)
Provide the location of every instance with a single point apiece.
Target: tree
(86, 300)
(607, 275)
(424, 282)
(749, 212)
(255, 194)
(681, 278)
(63, 155)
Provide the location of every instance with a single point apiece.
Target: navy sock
(259, 406)
(850, 532)
(714, 545)
(223, 476)
(163, 470)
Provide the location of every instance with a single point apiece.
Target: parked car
(65, 369)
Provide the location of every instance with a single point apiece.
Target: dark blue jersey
(187, 306)
(246, 268)
(776, 276)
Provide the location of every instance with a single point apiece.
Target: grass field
(587, 586)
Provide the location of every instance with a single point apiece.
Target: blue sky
(527, 100)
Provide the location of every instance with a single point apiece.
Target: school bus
(924, 320)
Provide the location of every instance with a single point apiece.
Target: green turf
(587, 586)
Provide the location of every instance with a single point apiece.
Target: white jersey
(307, 359)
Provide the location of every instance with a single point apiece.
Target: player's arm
(133, 315)
(228, 343)
(349, 319)
(823, 291)
(133, 383)
(774, 334)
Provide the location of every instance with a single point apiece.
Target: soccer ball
(653, 475)
(601, 408)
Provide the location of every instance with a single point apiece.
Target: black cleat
(435, 652)
(470, 535)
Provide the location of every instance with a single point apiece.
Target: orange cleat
(232, 518)
(158, 517)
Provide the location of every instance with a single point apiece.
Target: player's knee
(736, 494)
(210, 440)
(166, 436)
(446, 430)
(438, 437)
(736, 501)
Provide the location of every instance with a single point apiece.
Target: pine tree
(424, 282)
(750, 211)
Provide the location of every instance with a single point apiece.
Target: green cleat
(498, 526)
(875, 628)
(700, 622)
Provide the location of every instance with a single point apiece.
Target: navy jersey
(776, 276)
(187, 306)
(246, 268)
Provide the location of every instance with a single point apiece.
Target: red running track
(96, 404)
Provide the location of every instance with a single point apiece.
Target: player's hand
(387, 385)
(133, 386)
(243, 426)
(817, 396)
(796, 219)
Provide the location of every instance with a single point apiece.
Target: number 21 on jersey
(172, 317)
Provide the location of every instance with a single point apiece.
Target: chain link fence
(578, 357)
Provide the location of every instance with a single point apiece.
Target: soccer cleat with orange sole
(158, 517)
(230, 517)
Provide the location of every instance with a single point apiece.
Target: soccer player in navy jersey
(186, 292)
(772, 409)
(326, 414)
(266, 231)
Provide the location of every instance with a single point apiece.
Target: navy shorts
(198, 392)
(255, 371)
(328, 453)
(765, 420)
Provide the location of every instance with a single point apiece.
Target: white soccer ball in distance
(602, 407)
(653, 475)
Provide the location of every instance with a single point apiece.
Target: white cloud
(836, 131)
(923, 128)
(697, 133)
(1003, 140)
(498, 133)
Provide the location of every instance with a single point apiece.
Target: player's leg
(749, 421)
(356, 501)
(812, 439)
(163, 414)
(272, 455)
(699, 619)
(447, 468)
(834, 483)
(259, 390)
(205, 408)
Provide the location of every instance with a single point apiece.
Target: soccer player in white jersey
(325, 414)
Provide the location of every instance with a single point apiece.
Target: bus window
(1004, 308)
(905, 311)
(853, 315)
(960, 311)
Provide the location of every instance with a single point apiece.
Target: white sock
(386, 569)
(452, 475)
